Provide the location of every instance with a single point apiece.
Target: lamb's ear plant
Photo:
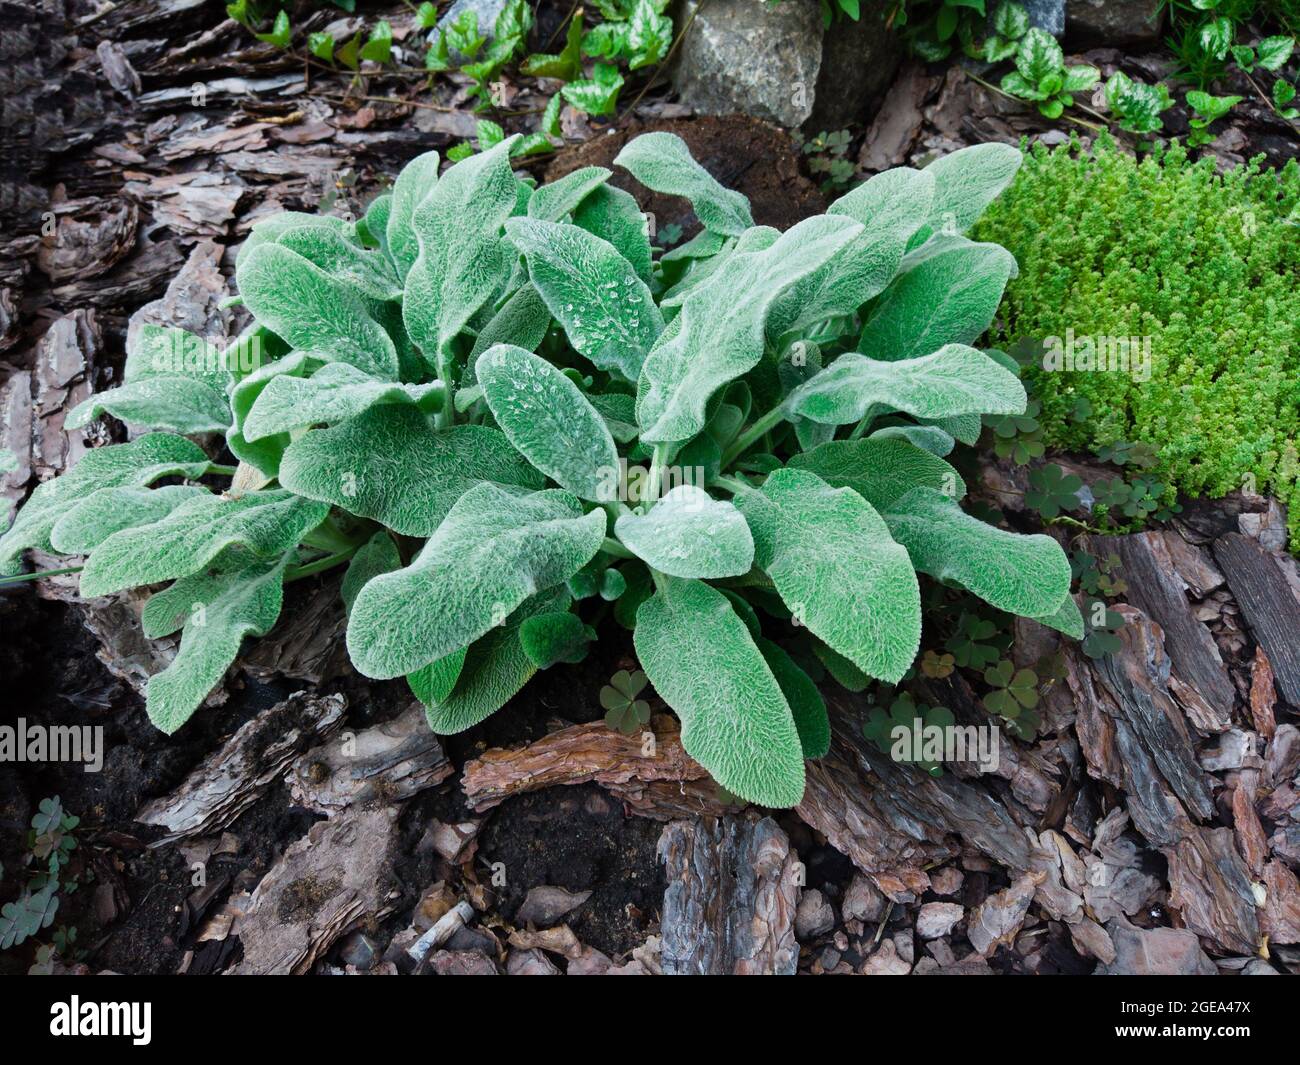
(502, 412)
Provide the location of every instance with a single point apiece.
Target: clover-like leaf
(493, 551)
(704, 664)
(687, 533)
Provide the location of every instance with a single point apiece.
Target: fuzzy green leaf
(391, 465)
(1026, 575)
(87, 524)
(138, 463)
(493, 551)
(252, 527)
(556, 201)
(334, 393)
(953, 381)
(966, 182)
(593, 292)
(165, 401)
(838, 569)
(880, 469)
(554, 637)
(662, 162)
(615, 216)
(806, 703)
(718, 337)
(377, 555)
(549, 421)
(367, 271)
(947, 293)
(413, 184)
(704, 664)
(216, 611)
(689, 534)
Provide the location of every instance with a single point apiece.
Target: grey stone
(777, 62)
(1047, 15)
(814, 917)
(1115, 22)
(938, 919)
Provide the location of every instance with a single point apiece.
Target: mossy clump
(1206, 266)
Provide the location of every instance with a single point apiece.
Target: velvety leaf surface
(548, 420)
(298, 301)
(704, 664)
(392, 465)
(1027, 575)
(556, 201)
(806, 703)
(252, 527)
(265, 454)
(166, 401)
(687, 533)
(838, 569)
(662, 162)
(593, 292)
(554, 637)
(966, 182)
(413, 184)
(216, 611)
(138, 463)
(494, 550)
(952, 381)
(880, 469)
(377, 555)
(89, 523)
(364, 270)
(717, 337)
(615, 216)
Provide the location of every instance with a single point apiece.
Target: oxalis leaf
(257, 526)
(463, 257)
(838, 569)
(704, 664)
(493, 551)
(717, 337)
(138, 463)
(687, 533)
(663, 163)
(391, 465)
(313, 312)
(333, 393)
(549, 421)
(953, 381)
(215, 610)
(593, 292)
(1026, 575)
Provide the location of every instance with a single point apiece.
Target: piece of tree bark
(1268, 605)
(1263, 695)
(649, 770)
(733, 889)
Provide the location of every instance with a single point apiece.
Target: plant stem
(297, 573)
(655, 479)
(730, 484)
(5, 581)
(738, 447)
(222, 471)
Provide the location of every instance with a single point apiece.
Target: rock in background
(777, 62)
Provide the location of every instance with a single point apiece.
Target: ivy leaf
(955, 380)
(837, 568)
(689, 534)
(549, 421)
(947, 293)
(881, 469)
(716, 337)
(136, 464)
(735, 720)
(253, 527)
(1039, 55)
(280, 31)
(423, 473)
(313, 312)
(379, 45)
(1275, 51)
(334, 393)
(1026, 575)
(595, 95)
(595, 294)
(662, 163)
(491, 553)
(215, 610)
(566, 66)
